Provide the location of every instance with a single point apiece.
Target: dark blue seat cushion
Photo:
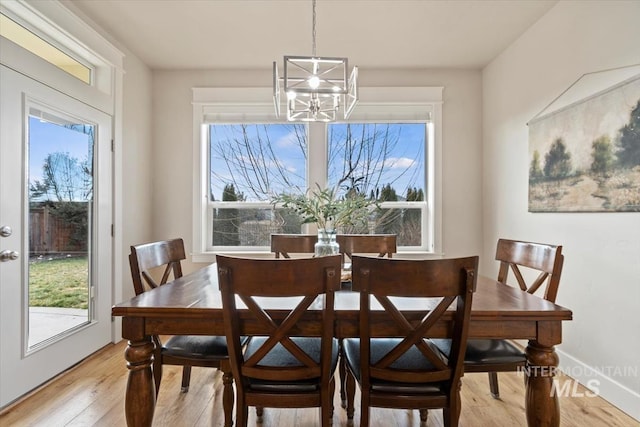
(196, 347)
(413, 359)
(485, 351)
(279, 356)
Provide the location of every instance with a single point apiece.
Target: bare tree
(366, 154)
(65, 178)
(250, 162)
(360, 157)
(361, 162)
(66, 188)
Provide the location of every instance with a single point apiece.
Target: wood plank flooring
(92, 394)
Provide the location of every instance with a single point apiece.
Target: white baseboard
(608, 388)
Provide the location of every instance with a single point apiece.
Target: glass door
(55, 228)
(60, 164)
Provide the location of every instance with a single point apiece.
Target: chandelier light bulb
(314, 82)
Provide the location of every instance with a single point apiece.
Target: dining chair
(286, 244)
(380, 244)
(538, 261)
(152, 265)
(279, 369)
(408, 371)
(377, 244)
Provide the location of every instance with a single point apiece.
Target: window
(387, 152)
(42, 48)
(248, 163)
(385, 161)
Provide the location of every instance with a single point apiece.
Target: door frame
(63, 26)
(23, 367)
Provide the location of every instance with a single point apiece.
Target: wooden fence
(49, 233)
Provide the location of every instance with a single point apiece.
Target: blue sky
(46, 138)
(401, 164)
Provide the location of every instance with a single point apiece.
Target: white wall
(137, 165)
(173, 168)
(601, 277)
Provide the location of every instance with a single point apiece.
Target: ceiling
(251, 34)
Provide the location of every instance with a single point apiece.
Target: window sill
(210, 257)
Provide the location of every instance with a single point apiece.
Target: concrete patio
(47, 322)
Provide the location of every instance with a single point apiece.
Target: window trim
(79, 40)
(237, 105)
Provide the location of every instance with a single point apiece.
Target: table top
(196, 295)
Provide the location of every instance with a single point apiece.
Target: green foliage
(412, 220)
(388, 194)
(535, 172)
(389, 220)
(321, 206)
(59, 283)
(557, 161)
(412, 216)
(225, 231)
(602, 155)
(629, 140)
(415, 195)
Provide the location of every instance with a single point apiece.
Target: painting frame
(584, 156)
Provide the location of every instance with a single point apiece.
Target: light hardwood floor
(92, 394)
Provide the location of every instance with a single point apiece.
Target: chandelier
(315, 87)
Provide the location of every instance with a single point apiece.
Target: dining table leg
(140, 396)
(541, 400)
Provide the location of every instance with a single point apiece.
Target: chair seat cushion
(413, 359)
(485, 352)
(196, 347)
(279, 356)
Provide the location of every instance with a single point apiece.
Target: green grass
(59, 283)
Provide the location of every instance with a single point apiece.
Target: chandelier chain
(313, 31)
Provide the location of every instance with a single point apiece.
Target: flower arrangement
(321, 206)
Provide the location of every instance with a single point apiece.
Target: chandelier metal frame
(315, 87)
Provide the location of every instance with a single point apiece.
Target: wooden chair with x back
(279, 369)
(408, 372)
(380, 244)
(287, 244)
(163, 259)
(537, 261)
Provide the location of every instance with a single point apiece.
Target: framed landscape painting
(585, 157)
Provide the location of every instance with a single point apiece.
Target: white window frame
(377, 105)
(46, 20)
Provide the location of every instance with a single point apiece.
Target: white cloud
(399, 162)
(287, 140)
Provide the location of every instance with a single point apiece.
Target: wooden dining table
(191, 305)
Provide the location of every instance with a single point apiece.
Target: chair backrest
(150, 256)
(447, 279)
(380, 244)
(545, 259)
(251, 280)
(286, 244)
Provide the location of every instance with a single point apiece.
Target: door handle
(8, 256)
(5, 231)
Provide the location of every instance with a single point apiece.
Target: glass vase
(326, 244)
